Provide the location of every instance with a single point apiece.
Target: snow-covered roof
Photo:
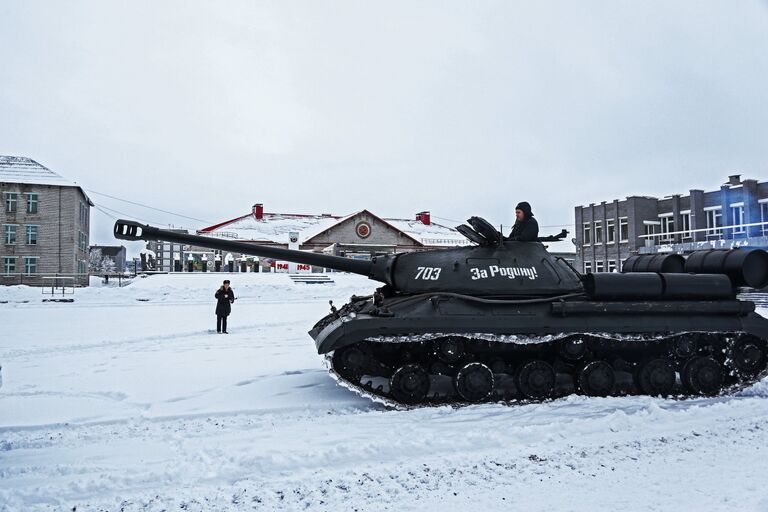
(20, 169)
(275, 227)
(431, 234)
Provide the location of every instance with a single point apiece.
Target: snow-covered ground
(125, 400)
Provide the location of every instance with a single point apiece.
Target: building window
(611, 265)
(598, 231)
(610, 230)
(81, 267)
(764, 216)
(82, 241)
(598, 266)
(9, 264)
(31, 235)
(587, 234)
(587, 267)
(31, 202)
(651, 229)
(11, 200)
(30, 264)
(714, 221)
(737, 212)
(10, 233)
(623, 229)
(667, 226)
(83, 214)
(621, 265)
(685, 221)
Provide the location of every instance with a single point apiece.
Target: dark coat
(526, 230)
(225, 298)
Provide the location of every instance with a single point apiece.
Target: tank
(507, 321)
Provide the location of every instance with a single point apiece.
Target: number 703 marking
(428, 273)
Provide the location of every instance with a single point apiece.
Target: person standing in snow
(225, 296)
(525, 229)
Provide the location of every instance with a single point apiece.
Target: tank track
(408, 371)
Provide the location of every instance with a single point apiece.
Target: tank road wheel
(449, 350)
(597, 379)
(409, 384)
(572, 349)
(474, 382)
(656, 377)
(684, 347)
(747, 356)
(536, 380)
(703, 375)
(351, 361)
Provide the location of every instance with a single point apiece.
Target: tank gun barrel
(376, 268)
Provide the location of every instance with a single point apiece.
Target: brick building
(734, 215)
(45, 222)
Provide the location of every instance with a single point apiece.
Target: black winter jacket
(225, 298)
(525, 231)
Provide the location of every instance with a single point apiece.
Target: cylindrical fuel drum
(667, 263)
(745, 267)
(637, 285)
(697, 286)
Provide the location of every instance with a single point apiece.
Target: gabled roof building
(362, 233)
(44, 224)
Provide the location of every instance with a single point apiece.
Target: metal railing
(717, 230)
(36, 278)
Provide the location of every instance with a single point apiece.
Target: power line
(102, 208)
(104, 212)
(150, 207)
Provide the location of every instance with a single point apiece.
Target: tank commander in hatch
(525, 229)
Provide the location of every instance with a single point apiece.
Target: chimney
(424, 217)
(258, 211)
(734, 179)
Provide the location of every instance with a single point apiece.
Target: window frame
(6, 269)
(82, 241)
(666, 226)
(7, 230)
(686, 230)
(763, 215)
(33, 206)
(598, 235)
(599, 266)
(587, 267)
(27, 233)
(610, 231)
(623, 221)
(714, 213)
(11, 200)
(740, 208)
(611, 266)
(587, 233)
(27, 260)
(83, 215)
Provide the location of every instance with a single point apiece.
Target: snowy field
(126, 400)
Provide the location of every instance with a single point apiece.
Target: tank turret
(504, 320)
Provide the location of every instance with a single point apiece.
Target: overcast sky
(461, 108)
